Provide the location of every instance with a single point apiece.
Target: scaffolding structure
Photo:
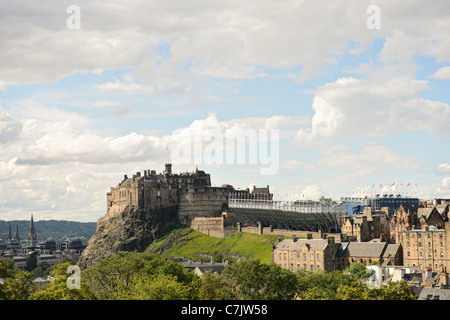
(290, 215)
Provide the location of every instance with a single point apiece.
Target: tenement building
(330, 254)
(306, 254)
(427, 247)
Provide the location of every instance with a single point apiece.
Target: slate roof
(391, 250)
(434, 294)
(313, 244)
(365, 249)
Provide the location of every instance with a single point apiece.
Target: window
(419, 236)
(311, 256)
(304, 256)
(420, 254)
(318, 257)
(409, 254)
(407, 244)
(441, 244)
(429, 254)
(407, 236)
(429, 244)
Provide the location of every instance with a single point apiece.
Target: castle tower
(32, 238)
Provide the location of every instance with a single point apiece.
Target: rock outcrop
(134, 229)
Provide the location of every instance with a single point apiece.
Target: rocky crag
(134, 229)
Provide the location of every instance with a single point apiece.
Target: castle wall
(202, 202)
(281, 232)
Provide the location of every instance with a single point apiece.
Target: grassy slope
(188, 243)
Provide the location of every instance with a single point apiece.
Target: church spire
(32, 239)
(16, 236)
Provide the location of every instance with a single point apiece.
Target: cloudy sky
(353, 95)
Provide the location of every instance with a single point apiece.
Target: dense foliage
(133, 275)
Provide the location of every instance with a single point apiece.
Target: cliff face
(132, 229)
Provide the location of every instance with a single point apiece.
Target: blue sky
(355, 107)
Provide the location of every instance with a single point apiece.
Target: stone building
(427, 247)
(329, 255)
(404, 219)
(190, 193)
(373, 252)
(306, 254)
(410, 217)
(370, 225)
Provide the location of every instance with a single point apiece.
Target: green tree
(17, 287)
(211, 286)
(358, 270)
(155, 287)
(395, 291)
(253, 280)
(58, 289)
(114, 275)
(31, 263)
(321, 285)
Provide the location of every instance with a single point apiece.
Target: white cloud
(9, 128)
(442, 73)
(442, 169)
(375, 107)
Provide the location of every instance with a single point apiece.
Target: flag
(381, 185)
(408, 184)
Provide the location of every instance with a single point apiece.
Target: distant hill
(56, 229)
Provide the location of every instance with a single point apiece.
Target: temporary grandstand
(290, 215)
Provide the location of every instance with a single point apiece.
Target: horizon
(334, 101)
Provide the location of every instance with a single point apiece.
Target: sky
(341, 98)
